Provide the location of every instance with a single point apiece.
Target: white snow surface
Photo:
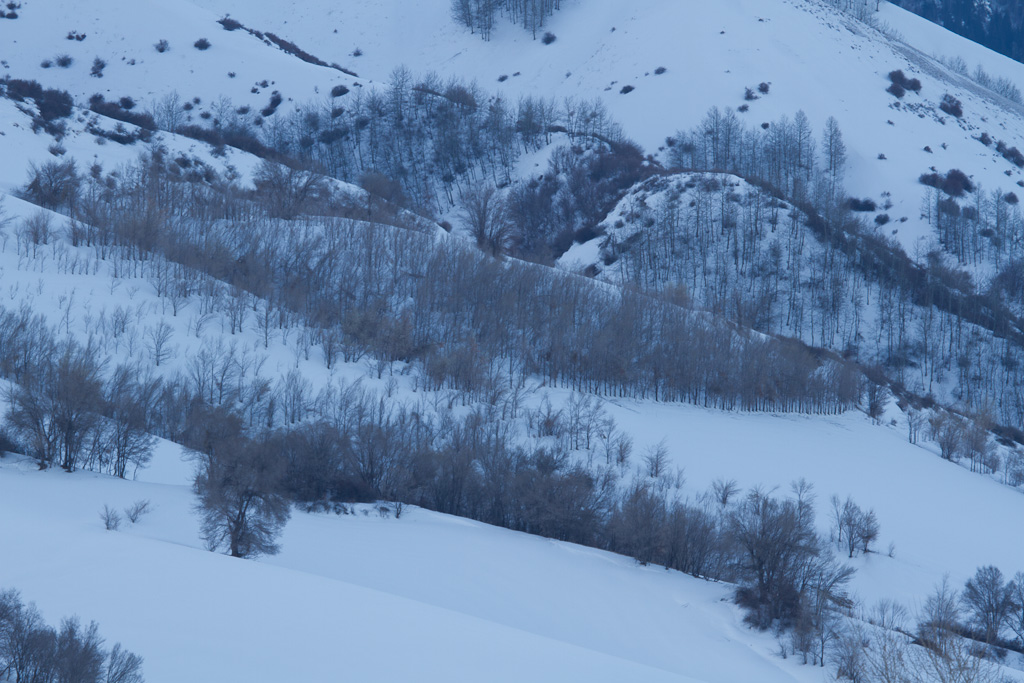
(432, 597)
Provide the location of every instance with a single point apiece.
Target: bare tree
(243, 510)
(485, 213)
(988, 601)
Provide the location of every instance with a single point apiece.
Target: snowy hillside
(408, 310)
(814, 59)
(463, 600)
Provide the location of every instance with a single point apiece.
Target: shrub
(548, 38)
(897, 90)
(861, 204)
(201, 44)
(230, 24)
(744, 108)
(46, 64)
(52, 104)
(502, 78)
(98, 65)
(626, 89)
(137, 510)
(64, 61)
(955, 182)
(763, 88)
(111, 518)
(1011, 198)
(338, 91)
(75, 35)
(162, 46)
(881, 219)
(985, 139)
(951, 106)
(900, 79)
(357, 52)
(275, 102)
(119, 112)
(660, 70)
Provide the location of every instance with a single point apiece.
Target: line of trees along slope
(782, 252)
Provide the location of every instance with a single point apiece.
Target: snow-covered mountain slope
(429, 596)
(814, 59)
(435, 597)
(124, 35)
(424, 597)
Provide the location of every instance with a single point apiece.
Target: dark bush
(900, 79)
(1011, 154)
(52, 104)
(957, 183)
(230, 24)
(64, 61)
(744, 108)
(338, 91)
(502, 78)
(985, 139)
(46, 64)
(626, 89)
(763, 88)
(548, 38)
(1011, 198)
(98, 65)
(275, 102)
(201, 44)
(881, 219)
(749, 95)
(954, 183)
(951, 106)
(896, 90)
(162, 46)
(660, 70)
(861, 204)
(119, 112)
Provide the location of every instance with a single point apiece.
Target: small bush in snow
(137, 510)
(111, 518)
(626, 89)
(98, 65)
(951, 106)
(338, 91)
(162, 46)
(230, 24)
(548, 38)
(862, 204)
(64, 61)
(763, 88)
(660, 70)
(201, 44)
(900, 79)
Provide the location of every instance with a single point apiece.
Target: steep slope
(813, 57)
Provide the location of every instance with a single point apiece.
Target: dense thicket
(782, 252)
(31, 651)
(480, 15)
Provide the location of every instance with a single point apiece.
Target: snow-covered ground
(425, 597)
(433, 597)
